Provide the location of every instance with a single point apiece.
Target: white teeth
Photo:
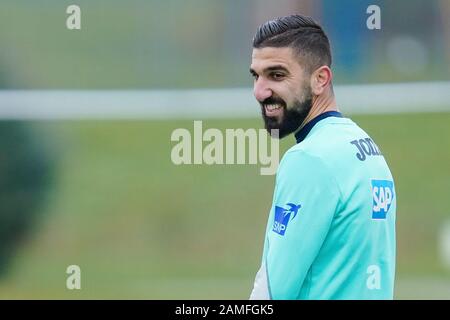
(272, 107)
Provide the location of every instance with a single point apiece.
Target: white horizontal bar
(209, 103)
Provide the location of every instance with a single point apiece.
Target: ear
(321, 79)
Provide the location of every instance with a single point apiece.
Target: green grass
(141, 227)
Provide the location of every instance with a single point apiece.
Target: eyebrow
(278, 67)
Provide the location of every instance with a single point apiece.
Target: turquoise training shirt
(331, 227)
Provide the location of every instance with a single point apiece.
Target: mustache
(272, 100)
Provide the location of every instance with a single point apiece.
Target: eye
(255, 76)
(277, 76)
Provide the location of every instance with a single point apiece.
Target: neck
(320, 104)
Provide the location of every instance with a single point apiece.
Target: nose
(261, 90)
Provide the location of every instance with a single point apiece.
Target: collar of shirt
(301, 134)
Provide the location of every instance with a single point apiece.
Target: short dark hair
(299, 32)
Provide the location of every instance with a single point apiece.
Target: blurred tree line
(207, 43)
(25, 176)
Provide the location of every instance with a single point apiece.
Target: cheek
(303, 92)
(290, 97)
(292, 91)
(284, 92)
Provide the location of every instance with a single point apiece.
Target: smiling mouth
(273, 109)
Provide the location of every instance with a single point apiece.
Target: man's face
(282, 88)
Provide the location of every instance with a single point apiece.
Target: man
(331, 228)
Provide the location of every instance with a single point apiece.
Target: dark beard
(290, 120)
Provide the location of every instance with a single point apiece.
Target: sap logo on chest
(366, 147)
(283, 216)
(383, 195)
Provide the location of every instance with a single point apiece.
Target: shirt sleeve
(306, 198)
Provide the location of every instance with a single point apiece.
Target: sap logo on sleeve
(283, 216)
(383, 195)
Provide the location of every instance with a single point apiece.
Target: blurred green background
(141, 227)
(105, 195)
(207, 43)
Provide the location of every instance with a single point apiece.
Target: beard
(291, 118)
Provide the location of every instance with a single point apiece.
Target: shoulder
(319, 158)
(302, 161)
(305, 175)
(299, 167)
(329, 141)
